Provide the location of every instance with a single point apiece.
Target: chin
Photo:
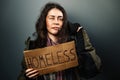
(55, 34)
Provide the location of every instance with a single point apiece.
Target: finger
(33, 75)
(79, 29)
(29, 70)
(32, 72)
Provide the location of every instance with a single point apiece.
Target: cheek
(48, 24)
(61, 24)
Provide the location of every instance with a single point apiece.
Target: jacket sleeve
(22, 72)
(22, 75)
(89, 61)
(91, 50)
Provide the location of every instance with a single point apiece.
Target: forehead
(55, 12)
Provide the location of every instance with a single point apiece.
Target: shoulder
(29, 44)
(74, 28)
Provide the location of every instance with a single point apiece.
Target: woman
(53, 28)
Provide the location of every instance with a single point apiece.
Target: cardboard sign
(53, 58)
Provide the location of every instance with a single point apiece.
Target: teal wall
(101, 19)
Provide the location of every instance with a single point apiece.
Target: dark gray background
(99, 17)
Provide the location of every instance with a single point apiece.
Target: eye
(51, 18)
(60, 18)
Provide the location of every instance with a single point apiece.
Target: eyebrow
(54, 16)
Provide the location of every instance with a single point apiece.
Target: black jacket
(89, 61)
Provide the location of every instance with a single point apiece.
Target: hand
(31, 73)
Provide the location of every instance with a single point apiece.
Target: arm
(27, 74)
(90, 63)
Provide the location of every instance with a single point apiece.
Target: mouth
(56, 28)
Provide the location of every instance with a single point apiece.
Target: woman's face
(54, 21)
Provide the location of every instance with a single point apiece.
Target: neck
(53, 38)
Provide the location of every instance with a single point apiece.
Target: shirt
(56, 75)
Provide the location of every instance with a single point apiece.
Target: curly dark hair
(41, 29)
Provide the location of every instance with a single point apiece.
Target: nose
(56, 21)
